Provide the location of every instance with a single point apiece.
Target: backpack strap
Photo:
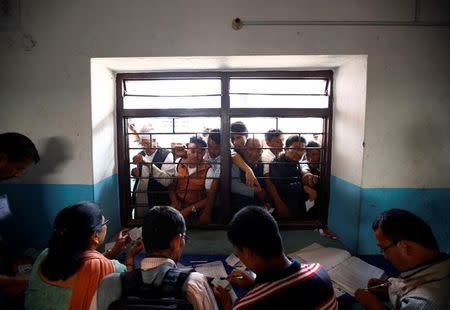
(135, 292)
(174, 280)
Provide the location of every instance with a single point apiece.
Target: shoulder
(109, 290)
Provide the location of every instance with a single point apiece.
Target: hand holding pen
(240, 278)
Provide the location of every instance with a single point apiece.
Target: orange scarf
(95, 267)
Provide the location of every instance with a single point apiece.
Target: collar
(274, 275)
(154, 262)
(441, 257)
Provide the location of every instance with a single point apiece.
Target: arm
(173, 197)
(237, 186)
(280, 207)
(205, 218)
(249, 175)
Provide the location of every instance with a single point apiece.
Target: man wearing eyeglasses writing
(409, 244)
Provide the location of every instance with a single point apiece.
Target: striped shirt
(299, 286)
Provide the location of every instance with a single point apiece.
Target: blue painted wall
(353, 209)
(35, 206)
(432, 205)
(343, 212)
(106, 194)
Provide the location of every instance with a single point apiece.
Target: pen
(236, 277)
(198, 261)
(379, 285)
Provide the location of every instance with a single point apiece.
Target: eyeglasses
(105, 222)
(185, 237)
(384, 249)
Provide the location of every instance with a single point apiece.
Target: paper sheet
(4, 207)
(232, 260)
(354, 273)
(327, 257)
(213, 269)
(109, 245)
(135, 233)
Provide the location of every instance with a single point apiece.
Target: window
(162, 119)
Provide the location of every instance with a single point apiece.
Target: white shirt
(266, 157)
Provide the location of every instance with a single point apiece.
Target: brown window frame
(225, 113)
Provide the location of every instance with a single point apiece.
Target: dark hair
(18, 147)
(312, 144)
(272, 133)
(72, 230)
(197, 140)
(239, 128)
(292, 139)
(397, 225)
(214, 135)
(161, 225)
(254, 228)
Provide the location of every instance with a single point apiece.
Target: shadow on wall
(34, 204)
(55, 153)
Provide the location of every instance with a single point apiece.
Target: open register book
(347, 272)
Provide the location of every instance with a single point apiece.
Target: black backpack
(138, 295)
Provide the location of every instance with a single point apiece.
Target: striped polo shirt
(299, 286)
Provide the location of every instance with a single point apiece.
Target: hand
(223, 298)
(138, 159)
(240, 278)
(137, 247)
(381, 292)
(368, 300)
(251, 180)
(135, 172)
(122, 240)
(308, 179)
(311, 192)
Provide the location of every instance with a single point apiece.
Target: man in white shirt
(163, 234)
(150, 188)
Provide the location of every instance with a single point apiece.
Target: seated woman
(66, 275)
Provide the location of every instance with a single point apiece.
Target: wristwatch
(194, 209)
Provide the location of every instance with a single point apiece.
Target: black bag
(138, 295)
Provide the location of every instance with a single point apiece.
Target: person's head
(164, 232)
(17, 152)
(238, 134)
(312, 153)
(214, 143)
(295, 147)
(76, 229)
(252, 151)
(255, 237)
(196, 150)
(147, 140)
(274, 139)
(404, 239)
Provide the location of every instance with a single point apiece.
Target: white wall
(348, 120)
(45, 92)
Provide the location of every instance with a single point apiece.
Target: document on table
(347, 272)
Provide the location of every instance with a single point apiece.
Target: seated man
(281, 283)
(191, 187)
(409, 244)
(150, 188)
(243, 195)
(163, 234)
(285, 174)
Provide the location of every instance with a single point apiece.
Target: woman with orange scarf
(67, 274)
